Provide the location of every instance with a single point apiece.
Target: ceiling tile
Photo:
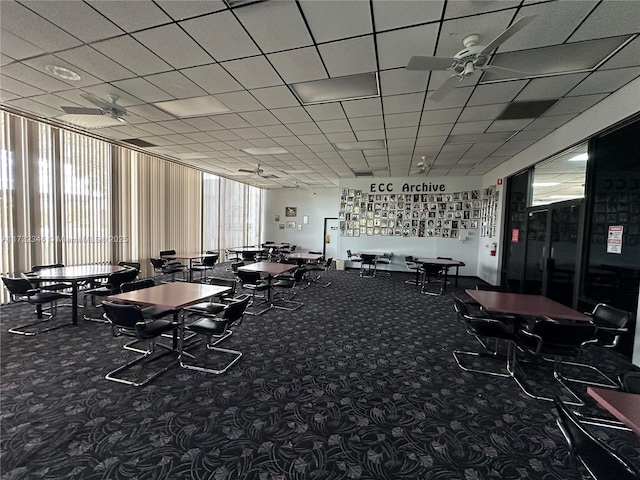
(465, 9)
(275, 97)
(275, 26)
(434, 130)
(334, 126)
(487, 26)
(496, 93)
(18, 88)
(509, 125)
(180, 9)
(132, 55)
(239, 101)
(292, 115)
(232, 120)
(365, 135)
(395, 48)
(464, 128)
(395, 82)
(342, 20)
(260, 118)
(35, 107)
(551, 121)
(349, 57)
(275, 131)
(329, 111)
(549, 87)
(253, 72)
(402, 120)
(212, 78)
(609, 19)
(458, 97)
(434, 117)
(170, 43)
(132, 16)
(16, 47)
(40, 64)
(574, 104)
(388, 16)
(300, 65)
(150, 112)
(91, 60)
(304, 128)
(144, 90)
(176, 84)
(77, 18)
(367, 123)
(221, 35)
(482, 112)
(34, 77)
(606, 81)
(411, 102)
(367, 107)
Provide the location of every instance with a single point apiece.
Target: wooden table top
(246, 250)
(76, 272)
(270, 268)
(440, 261)
(304, 256)
(275, 245)
(622, 405)
(375, 254)
(170, 296)
(190, 255)
(523, 304)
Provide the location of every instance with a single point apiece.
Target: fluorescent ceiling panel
(265, 151)
(337, 89)
(367, 145)
(193, 107)
(479, 138)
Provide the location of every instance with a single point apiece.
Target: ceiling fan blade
(96, 100)
(429, 63)
(507, 34)
(81, 111)
(444, 89)
(497, 67)
(269, 176)
(246, 171)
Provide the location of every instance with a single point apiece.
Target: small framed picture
(291, 211)
(299, 227)
(291, 224)
(277, 218)
(305, 219)
(281, 226)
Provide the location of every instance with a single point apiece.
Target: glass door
(536, 251)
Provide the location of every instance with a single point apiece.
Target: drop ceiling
(252, 57)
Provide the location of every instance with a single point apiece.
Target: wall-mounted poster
(291, 211)
(291, 224)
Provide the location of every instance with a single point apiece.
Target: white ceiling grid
(247, 57)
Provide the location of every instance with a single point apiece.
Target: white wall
(465, 251)
(317, 204)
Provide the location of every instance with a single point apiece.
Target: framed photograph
(281, 226)
(299, 227)
(305, 219)
(291, 224)
(291, 211)
(277, 218)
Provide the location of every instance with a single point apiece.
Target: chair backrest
(167, 252)
(37, 268)
(328, 263)
(349, 254)
(235, 310)
(157, 264)
(432, 269)
(445, 258)
(292, 248)
(17, 286)
(224, 282)
(630, 381)
(116, 279)
(558, 338)
(249, 255)
(248, 277)
(123, 315)
(210, 261)
(236, 265)
(135, 265)
(604, 315)
(367, 258)
(298, 275)
(599, 459)
(137, 285)
(493, 288)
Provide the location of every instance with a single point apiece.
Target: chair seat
(208, 326)
(155, 328)
(206, 307)
(285, 283)
(44, 297)
(258, 287)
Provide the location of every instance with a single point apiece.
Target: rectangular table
(170, 296)
(75, 275)
(191, 257)
(524, 304)
(270, 269)
(622, 405)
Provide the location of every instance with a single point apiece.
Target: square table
(443, 262)
(170, 296)
(74, 275)
(622, 405)
(270, 269)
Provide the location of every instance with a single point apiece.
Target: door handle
(552, 251)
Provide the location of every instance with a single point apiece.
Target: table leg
(74, 303)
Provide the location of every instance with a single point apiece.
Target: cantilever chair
(48, 285)
(21, 290)
(289, 283)
(162, 267)
(434, 272)
(216, 327)
(114, 282)
(483, 328)
(252, 281)
(600, 461)
(367, 265)
(216, 303)
(415, 268)
(207, 264)
(384, 260)
(129, 320)
(321, 267)
(560, 340)
(352, 258)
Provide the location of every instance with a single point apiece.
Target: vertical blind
(74, 199)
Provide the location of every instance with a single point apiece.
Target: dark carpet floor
(360, 383)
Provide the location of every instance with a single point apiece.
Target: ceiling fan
(110, 108)
(422, 167)
(258, 171)
(473, 57)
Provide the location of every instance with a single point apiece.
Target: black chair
(367, 265)
(630, 381)
(162, 267)
(216, 303)
(352, 258)
(129, 321)
(216, 326)
(432, 273)
(208, 263)
(558, 340)
(135, 265)
(322, 267)
(290, 284)
(114, 282)
(484, 328)
(21, 290)
(174, 262)
(415, 268)
(47, 285)
(235, 266)
(600, 461)
(252, 281)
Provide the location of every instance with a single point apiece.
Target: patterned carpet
(360, 383)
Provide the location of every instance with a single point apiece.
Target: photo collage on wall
(489, 213)
(409, 214)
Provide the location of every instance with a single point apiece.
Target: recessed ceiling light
(366, 145)
(63, 72)
(337, 89)
(90, 121)
(546, 184)
(265, 151)
(582, 157)
(193, 107)
(190, 155)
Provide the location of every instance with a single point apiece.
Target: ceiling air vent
(519, 110)
(363, 173)
(138, 142)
